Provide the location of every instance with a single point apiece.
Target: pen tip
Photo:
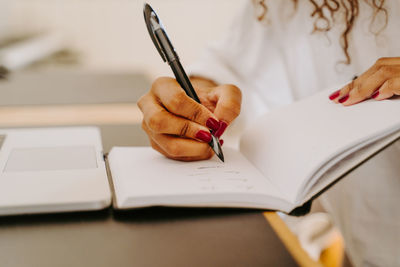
(216, 146)
(221, 156)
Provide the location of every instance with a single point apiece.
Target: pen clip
(151, 18)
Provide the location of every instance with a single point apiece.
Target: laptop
(45, 170)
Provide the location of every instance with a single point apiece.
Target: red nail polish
(203, 136)
(375, 95)
(212, 123)
(221, 129)
(334, 95)
(221, 142)
(344, 98)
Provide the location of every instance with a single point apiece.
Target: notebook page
(344, 165)
(142, 173)
(290, 144)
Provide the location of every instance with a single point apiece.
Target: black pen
(168, 54)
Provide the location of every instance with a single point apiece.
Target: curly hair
(351, 11)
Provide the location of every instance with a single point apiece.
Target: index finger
(173, 97)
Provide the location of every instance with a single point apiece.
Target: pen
(168, 54)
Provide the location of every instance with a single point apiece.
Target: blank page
(141, 173)
(290, 144)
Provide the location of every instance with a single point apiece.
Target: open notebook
(288, 157)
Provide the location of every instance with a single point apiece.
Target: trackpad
(51, 159)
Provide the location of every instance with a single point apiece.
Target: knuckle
(382, 68)
(160, 81)
(351, 86)
(142, 101)
(177, 100)
(184, 129)
(346, 88)
(389, 84)
(357, 90)
(196, 113)
(155, 122)
(381, 61)
(386, 70)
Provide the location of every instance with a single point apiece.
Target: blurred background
(86, 62)
(110, 35)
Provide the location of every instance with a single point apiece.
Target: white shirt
(281, 61)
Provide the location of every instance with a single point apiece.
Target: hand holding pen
(177, 125)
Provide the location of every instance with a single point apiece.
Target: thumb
(229, 99)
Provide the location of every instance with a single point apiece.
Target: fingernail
(221, 129)
(334, 95)
(344, 98)
(212, 123)
(203, 136)
(221, 142)
(375, 95)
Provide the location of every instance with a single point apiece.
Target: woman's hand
(380, 82)
(177, 126)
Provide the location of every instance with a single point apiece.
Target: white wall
(111, 34)
(5, 11)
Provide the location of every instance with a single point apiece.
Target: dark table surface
(148, 237)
